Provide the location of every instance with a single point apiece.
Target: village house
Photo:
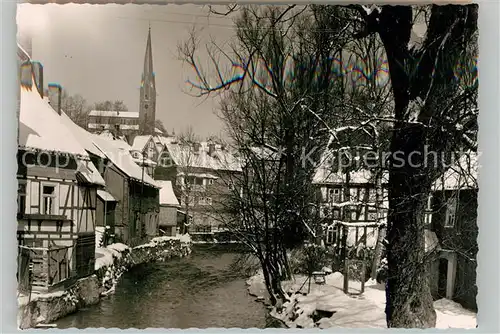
(199, 172)
(136, 212)
(351, 201)
(168, 209)
(57, 191)
(452, 224)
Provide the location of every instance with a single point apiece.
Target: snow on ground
(183, 238)
(104, 256)
(364, 311)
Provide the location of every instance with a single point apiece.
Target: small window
(336, 214)
(451, 209)
(21, 196)
(48, 200)
(372, 216)
(331, 235)
(210, 181)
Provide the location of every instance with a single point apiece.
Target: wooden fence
(42, 268)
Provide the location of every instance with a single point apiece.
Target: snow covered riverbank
(327, 306)
(111, 262)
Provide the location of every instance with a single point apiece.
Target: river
(199, 291)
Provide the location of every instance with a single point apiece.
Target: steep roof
(119, 154)
(462, 174)
(82, 135)
(167, 196)
(140, 142)
(42, 129)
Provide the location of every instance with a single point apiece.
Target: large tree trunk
(409, 298)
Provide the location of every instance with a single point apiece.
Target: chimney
(196, 147)
(55, 91)
(211, 148)
(38, 74)
(27, 75)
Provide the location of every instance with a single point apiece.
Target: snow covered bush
(309, 258)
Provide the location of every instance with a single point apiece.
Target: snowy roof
(461, 175)
(167, 196)
(121, 158)
(186, 155)
(88, 173)
(41, 128)
(140, 142)
(105, 196)
(324, 175)
(111, 113)
(82, 135)
(158, 131)
(22, 54)
(117, 141)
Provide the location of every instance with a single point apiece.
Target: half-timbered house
(199, 172)
(57, 191)
(351, 199)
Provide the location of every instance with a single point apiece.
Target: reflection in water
(199, 291)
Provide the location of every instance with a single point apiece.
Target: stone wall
(46, 308)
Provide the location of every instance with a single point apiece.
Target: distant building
(168, 209)
(199, 172)
(130, 123)
(120, 122)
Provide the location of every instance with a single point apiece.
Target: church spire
(147, 108)
(148, 72)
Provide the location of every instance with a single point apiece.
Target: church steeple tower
(147, 107)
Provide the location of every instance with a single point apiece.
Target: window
(336, 214)
(428, 211)
(334, 195)
(352, 211)
(372, 216)
(199, 181)
(21, 196)
(210, 181)
(451, 209)
(372, 195)
(331, 235)
(48, 200)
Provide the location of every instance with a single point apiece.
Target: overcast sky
(97, 51)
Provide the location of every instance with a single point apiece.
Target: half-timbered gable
(357, 200)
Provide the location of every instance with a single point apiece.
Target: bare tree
(187, 154)
(76, 107)
(117, 105)
(281, 73)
